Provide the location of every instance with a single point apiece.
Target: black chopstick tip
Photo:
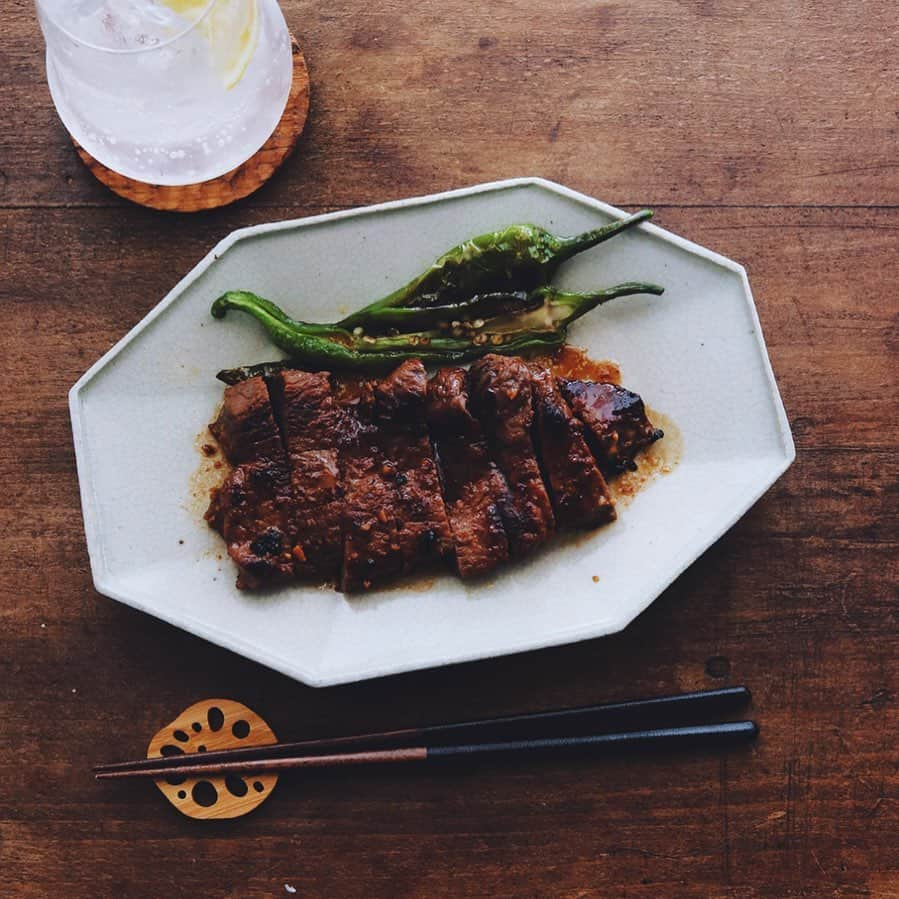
(738, 695)
(744, 730)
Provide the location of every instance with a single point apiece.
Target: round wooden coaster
(233, 185)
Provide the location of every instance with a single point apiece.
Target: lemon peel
(230, 29)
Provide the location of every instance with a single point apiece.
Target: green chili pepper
(383, 360)
(538, 321)
(408, 318)
(520, 257)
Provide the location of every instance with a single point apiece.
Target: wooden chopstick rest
(212, 725)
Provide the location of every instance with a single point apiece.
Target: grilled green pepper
(520, 322)
(402, 319)
(520, 257)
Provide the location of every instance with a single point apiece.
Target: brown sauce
(211, 470)
(659, 459)
(574, 363)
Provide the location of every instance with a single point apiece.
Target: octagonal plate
(696, 354)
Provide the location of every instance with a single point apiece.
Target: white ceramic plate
(696, 354)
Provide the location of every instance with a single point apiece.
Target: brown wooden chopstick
(705, 736)
(633, 715)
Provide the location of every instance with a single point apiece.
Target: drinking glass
(168, 91)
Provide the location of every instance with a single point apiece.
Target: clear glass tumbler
(168, 91)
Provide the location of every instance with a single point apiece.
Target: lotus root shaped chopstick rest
(207, 727)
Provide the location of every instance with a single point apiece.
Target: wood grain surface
(767, 131)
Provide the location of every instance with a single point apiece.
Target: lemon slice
(231, 30)
(190, 9)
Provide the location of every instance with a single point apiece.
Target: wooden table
(767, 131)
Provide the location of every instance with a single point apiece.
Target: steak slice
(312, 424)
(473, 488)
(372, 533)
(400, 415)
(617, 427)
(253, 509)
(501, 394)
(245, 427)
(580, 495)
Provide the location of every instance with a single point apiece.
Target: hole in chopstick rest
(170, 750)
(225, 725)
(216, 718)
(204, 794)
(240, 729)
(237, 786)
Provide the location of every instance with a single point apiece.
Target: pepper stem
(571, 306)
(571, 246)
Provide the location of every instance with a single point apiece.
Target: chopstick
(631, 715)
(706, 736)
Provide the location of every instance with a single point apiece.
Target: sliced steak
(371, 549)
(473, 488)
(617, 427)
(253, 510)
(579, 492)
(245, 427)
(501, 395)
(312, 424)
(400, 415)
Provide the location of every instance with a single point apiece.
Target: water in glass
(168, 91)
